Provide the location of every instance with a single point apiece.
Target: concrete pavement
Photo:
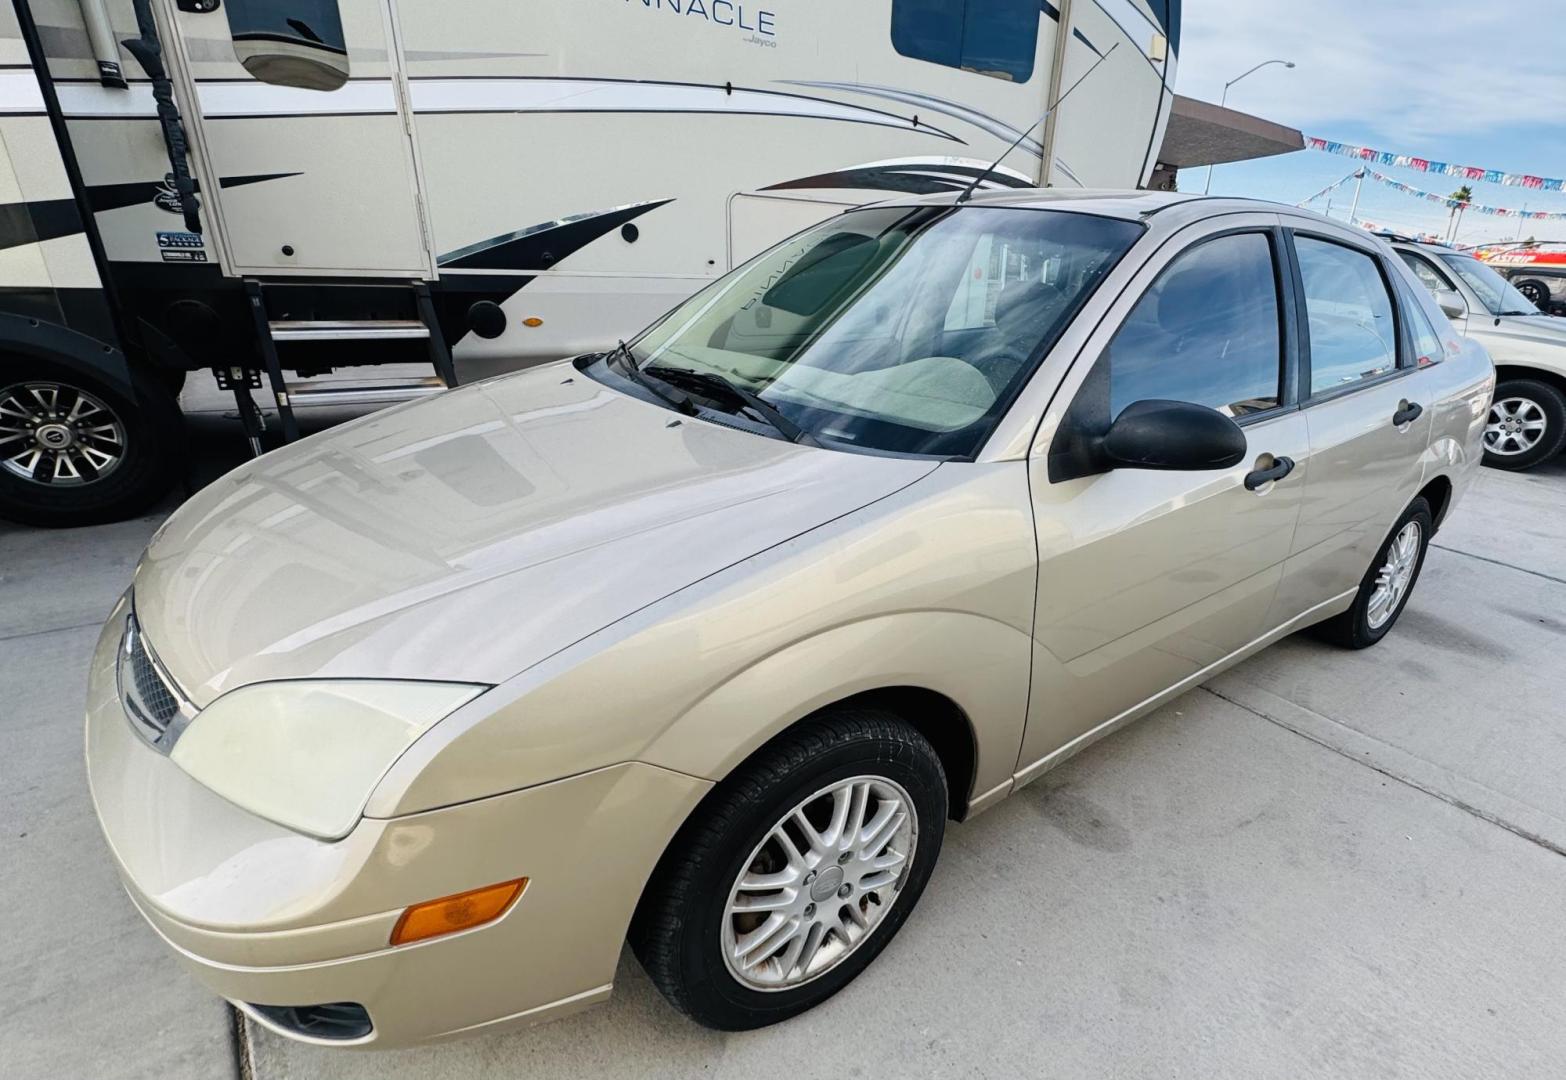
(1325, 864)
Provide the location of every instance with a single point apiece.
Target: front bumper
(265, 916)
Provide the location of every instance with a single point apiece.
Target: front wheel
(76, 449)
(795, 871)
(1526, 425)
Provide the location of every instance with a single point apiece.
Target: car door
(1367, 413)
(1148, 578)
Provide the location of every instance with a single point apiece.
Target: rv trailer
(276, 189)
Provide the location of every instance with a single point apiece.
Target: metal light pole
(1225, 100)
(1359, 182)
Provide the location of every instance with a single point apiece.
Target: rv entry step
(322, 331)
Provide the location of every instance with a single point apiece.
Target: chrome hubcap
(1396, 575)
(57, 435)
(820, 883)
(1515, 426)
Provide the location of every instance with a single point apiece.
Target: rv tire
(120, 451)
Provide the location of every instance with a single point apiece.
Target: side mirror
(1172, 435)
(1452, 303)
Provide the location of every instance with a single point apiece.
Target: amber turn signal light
(460, 912)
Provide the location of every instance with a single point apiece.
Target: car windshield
(894, 329)
(1494, 292)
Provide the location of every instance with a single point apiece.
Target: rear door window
(1353, 331)
(998, 38)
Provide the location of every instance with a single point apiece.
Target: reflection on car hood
(469, 536)
(1543, 329)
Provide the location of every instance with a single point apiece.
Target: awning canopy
(1201, 133)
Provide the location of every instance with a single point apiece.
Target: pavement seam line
(1385, 770)
(51, 630)
(1498, 562)
(239, 1042)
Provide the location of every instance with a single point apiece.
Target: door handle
(1407, 413)
(1256, 478)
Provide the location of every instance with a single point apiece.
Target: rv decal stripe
(227, 100)
(49, 219)
(543, 246)
(613, 95)
(985, 122)
(233, 99)
(916, 178)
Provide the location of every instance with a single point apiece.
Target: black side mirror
(1174, 435)
(1150, 434)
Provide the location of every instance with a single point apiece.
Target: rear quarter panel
(1462, 388)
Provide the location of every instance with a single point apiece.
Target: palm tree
(1462, 197)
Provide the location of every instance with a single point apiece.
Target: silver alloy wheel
(54, 434)
(1397, 573)
(820, 883)
(1516, 425)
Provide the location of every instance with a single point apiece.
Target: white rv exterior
(581, 167)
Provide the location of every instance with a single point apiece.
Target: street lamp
(1225, 100)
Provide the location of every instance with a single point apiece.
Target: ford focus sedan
(403, 730)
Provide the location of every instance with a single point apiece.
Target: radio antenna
(968, 192)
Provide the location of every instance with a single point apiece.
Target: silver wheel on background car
(820, 883)
(1516, 425)
(56, 435)
(1395, 576)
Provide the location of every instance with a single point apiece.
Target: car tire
(141, 433)
(1537, 292)
(1511, 438)
(695, 912)
(1396, 567)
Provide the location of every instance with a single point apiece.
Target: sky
(1473, 82)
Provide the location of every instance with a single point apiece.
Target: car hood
(1538, 329)
(471, 535)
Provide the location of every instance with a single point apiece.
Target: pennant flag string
(1462, 172)
(1428, 196)
(1330, 187)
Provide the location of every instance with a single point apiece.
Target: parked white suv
(1527, 423)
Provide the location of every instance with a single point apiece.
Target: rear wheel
(1537, 292)
(1526, 425)
(794, 872)
(1387, 585)
(75, 449)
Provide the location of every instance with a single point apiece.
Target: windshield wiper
(669, 395)
(710, 381)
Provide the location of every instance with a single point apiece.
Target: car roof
(1130, 205)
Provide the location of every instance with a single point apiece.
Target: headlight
(307, 755)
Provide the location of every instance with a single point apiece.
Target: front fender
(979, 663)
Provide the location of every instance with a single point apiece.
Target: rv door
(299, 123)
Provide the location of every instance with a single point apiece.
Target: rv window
(290, 42)
(997, 38)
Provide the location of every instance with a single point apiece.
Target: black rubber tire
(1537, 292)
(1352, 628)
(1553, 404)
(154, 436)
(676, 931)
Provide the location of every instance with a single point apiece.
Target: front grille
(149, 696)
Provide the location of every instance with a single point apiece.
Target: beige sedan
(402, 730)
